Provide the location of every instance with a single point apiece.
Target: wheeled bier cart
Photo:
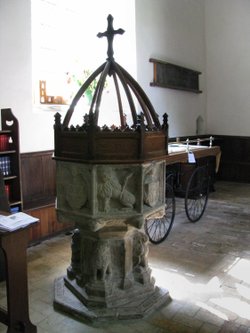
(190, 170)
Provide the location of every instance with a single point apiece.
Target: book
(4, 142)
(5, 165)
(16, 221)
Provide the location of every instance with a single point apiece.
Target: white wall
(36, 127)
(228, 66)
(170, 30)
(16, 78)
(173, 31)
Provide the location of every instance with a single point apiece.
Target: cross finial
(109, 33)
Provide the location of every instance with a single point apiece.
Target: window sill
(50, 108)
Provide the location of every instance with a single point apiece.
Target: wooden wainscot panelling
(38, 179)
(39, 194)
(48, 225)
(235, 158)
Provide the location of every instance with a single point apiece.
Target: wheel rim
(197, 194)
(158, 229)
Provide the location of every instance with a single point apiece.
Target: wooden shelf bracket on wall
(172, 76)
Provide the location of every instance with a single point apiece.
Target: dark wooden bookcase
(10, 159)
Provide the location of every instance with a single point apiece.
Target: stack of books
(5, 165)
(4, 142)
(7, 190)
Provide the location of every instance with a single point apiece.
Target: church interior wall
(209, 36)
(227, 29)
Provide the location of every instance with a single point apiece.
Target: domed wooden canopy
(96, 142)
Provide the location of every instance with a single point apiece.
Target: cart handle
(198, 141)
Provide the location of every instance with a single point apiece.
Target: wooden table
(14, 245)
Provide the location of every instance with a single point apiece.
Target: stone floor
(205, 266)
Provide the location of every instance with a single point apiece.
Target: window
(65, 48)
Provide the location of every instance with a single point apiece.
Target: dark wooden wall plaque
(172, 76)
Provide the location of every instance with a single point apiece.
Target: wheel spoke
(197, 194)
(158, 229)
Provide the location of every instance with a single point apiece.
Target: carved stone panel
(117, 189)
(73, 187)
(153, 186)
(94, 195)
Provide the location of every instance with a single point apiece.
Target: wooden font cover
(145, 139)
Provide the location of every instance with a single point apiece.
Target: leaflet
(16, 221)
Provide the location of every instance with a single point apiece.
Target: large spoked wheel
(158, 229)
(197, 194)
